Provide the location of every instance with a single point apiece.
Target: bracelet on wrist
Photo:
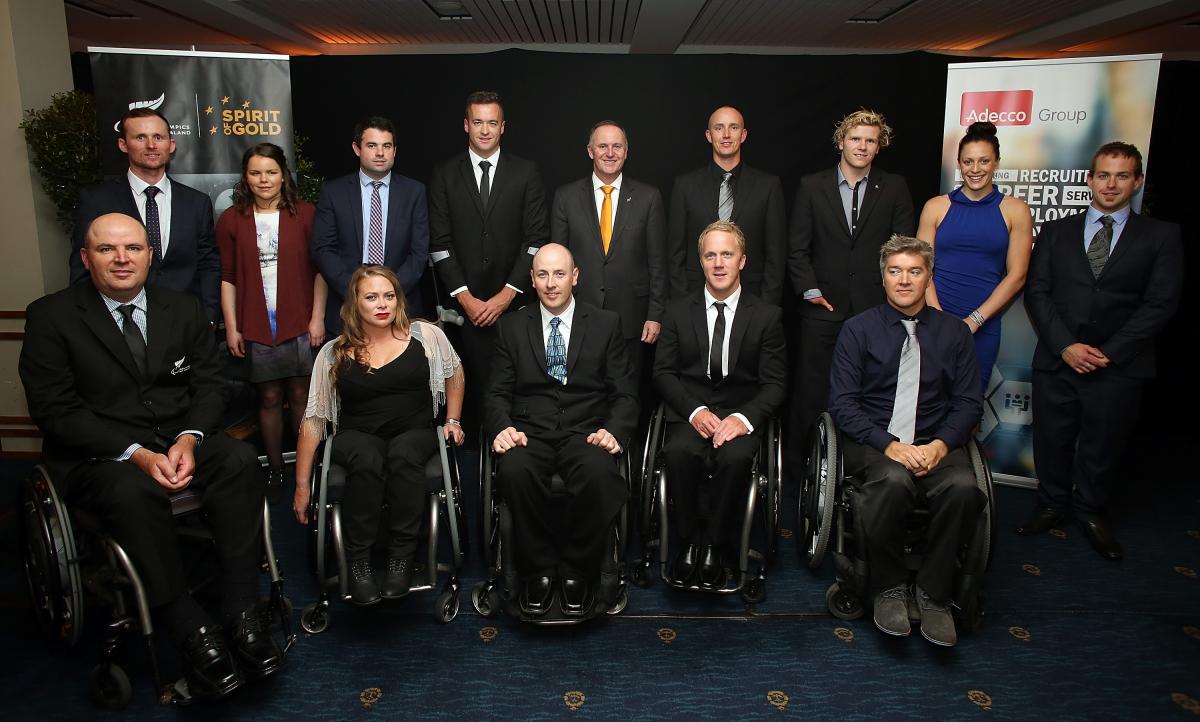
(977, 317)
(454, 422)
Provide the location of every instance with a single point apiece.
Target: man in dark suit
(616, 229)
(720, 387)
(487, 216)
(562, 398)
(372, 216)
(1102, 286)
(842, 216)
(124, 382)
(178, 218)
(729, 190)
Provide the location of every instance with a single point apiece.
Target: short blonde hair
(862, 116)
(726, 226)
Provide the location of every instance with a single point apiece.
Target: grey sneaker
(937, 623)
(891, 611)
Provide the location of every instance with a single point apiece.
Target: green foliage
(306, 172)
(66, 155)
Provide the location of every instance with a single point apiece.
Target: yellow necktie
(606, 217)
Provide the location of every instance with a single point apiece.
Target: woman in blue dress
(982, 240)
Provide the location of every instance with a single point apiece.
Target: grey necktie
(908, 385)
(485, 185)
(725, 201)
(1097, 253)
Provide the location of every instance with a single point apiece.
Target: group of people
(565, 313)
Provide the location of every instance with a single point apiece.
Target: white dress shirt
(710, 314)
(138, 187)
(476, 159)
(564, 328)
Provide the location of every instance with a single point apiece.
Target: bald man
(563, 399)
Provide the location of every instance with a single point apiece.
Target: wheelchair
(326, 550)
(828, 505)
(499, 591)
(762, 503)
(69, 561)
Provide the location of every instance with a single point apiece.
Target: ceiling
(983, 28)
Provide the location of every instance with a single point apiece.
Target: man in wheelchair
(562, 399)
(124, 382)
(904, 391)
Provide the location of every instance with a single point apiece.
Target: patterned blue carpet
(1067, 635)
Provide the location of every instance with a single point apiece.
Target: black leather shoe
(536, 596)
(1102, 539)
(363, 589)
(685, 564)
(1043, 520)
(712, 571)
(208, 666)
(576, 597)
(398, 579)
(255, 649)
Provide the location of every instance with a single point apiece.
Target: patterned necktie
(133, 336)
(716, 350)
(556, 353)
(485, 185)
(153, 226)
(375, 235)
(725, 202)
(606, 220)
(908, 385)
(1097, 253)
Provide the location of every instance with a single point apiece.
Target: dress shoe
(576, 597)
(536, 596)
(363, 589)
(937, 623)
(208, 666)
(398, 579)
(685, 564)
(1043, 520)
(255, 649)
(712, 571)
(891, 611)
(1102, 539)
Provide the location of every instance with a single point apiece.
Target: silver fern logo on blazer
(179, 367)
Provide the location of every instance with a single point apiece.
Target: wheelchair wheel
(641, 574)
(447, 606)
(486, 600)
(987, 526)
(755, 591)
(315, 618)
(818, 495)
(619, 604)
(109, 686)
(772, 503)
(843, 604)
(968, 615)
(51, 561)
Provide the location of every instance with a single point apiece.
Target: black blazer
(486, 248)
(632, 278)
(86, 394)
(192, 262)
(755, 385)
(600, 393)
(823, 253)
(337, 237)
(759, 211)
(1122, 311)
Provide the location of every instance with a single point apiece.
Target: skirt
(271, 363)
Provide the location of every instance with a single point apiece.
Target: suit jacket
(601, 391)
(824, 254)
(758, 209)
(87, 395)
(486, 248)
(192, 262)
(337, 237)
(755, 384)
(1122, 311)
(631, 278)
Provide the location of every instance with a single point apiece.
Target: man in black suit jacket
(185, 254)
(616, 229)
(487, 216)
(841, 218)
(1102, 286)
(562, 398)
(727, 189)
(124, 382)
(720, 387)
(345, 234)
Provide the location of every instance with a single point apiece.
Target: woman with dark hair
(379, 386)
(272, 298)
(982, 240)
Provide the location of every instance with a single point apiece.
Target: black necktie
(715, 371)
(133, 337)
(153, 227)
(485, 186)
(854, 207)
(1097, 253)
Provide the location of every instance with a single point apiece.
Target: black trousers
(810, 389)
(379, 471)
(475, 346)
(690, 458)
(890, 493)
(550, 538)
(135, 510)
(1082, 423)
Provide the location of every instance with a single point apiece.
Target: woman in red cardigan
(272, 297)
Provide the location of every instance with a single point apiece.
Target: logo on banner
(242, 119)
(177, 129)
(1002, 107)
